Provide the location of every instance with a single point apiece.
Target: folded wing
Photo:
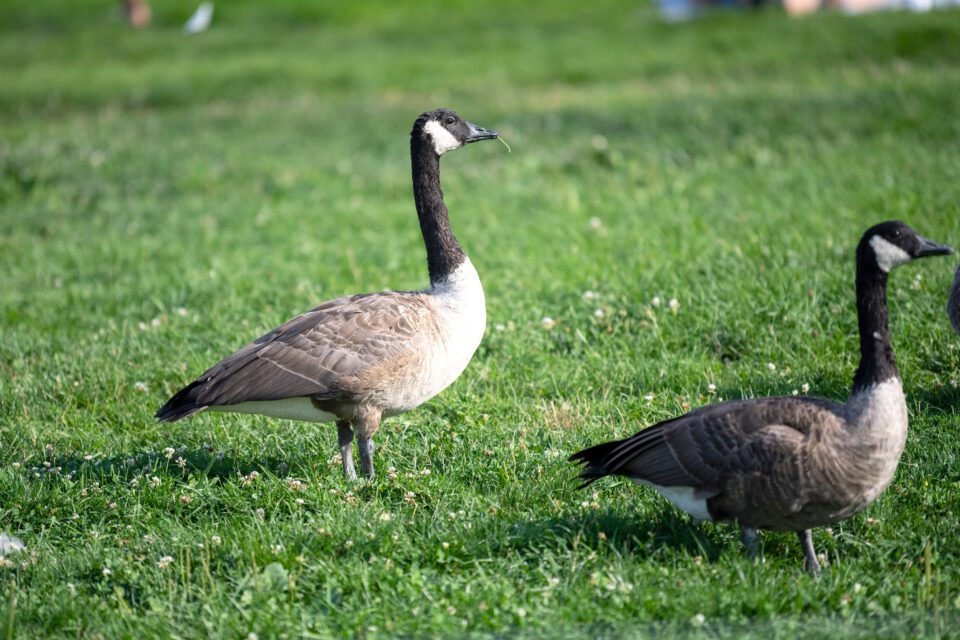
(322, 354)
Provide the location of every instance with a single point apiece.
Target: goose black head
(445, 131)
(891, 244)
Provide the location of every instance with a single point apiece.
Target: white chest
(461, 319)
(878, 420)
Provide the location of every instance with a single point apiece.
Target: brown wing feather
(316, 354)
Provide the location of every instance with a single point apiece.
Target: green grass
(166, 199)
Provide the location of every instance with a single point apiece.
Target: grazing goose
(788, 463)
(360, 358)
(953, 302)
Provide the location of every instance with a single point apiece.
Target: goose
(786, 463)
(360, 358)
(953, 302)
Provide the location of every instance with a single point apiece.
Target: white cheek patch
(443, 140)
(888, 254)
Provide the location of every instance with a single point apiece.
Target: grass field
(166, 199)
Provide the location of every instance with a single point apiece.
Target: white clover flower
(165, 562)
(649, 397)
(771, 366)
(674, 304)
(548, 323)
(590, 295)
(386, 516)
(296, 485)
(181, 311)
(598, 314)
(168, 452)
(656, 301)
(88, 457)
(805, 388)
(141, 387)
(711, 388)
(216, 539)
(105, 572)
(698, 620)
(300, 501)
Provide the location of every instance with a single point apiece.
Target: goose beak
(478, 133)
(931, 248)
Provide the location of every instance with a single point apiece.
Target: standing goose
(360, 358)
(953, 302)
(787, 463)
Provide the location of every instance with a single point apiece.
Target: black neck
(877, 362)
(444, 254)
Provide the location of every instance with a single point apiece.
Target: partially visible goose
(788, 463)
(953, 302)
(360, 358)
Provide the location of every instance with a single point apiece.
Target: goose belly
(288, 408)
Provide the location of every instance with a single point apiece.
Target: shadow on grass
(171, 463)
(602, 530)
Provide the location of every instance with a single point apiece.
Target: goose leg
(345, 440)
(751, 542)
(810, 562)
(365, 446)
(366, 421)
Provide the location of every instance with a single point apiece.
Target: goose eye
(895, 233)
(450, 120)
